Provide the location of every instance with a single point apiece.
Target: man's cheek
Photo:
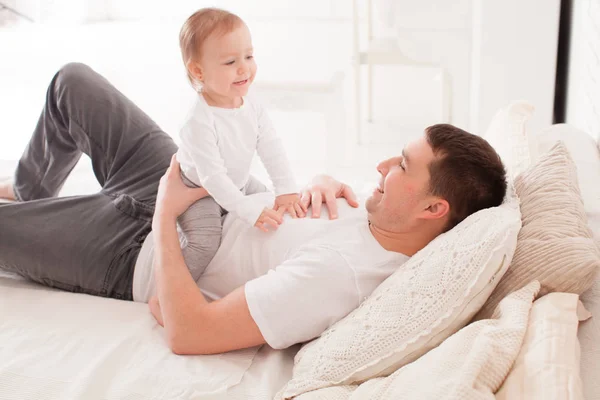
(410, 189)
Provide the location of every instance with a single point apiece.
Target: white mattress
(73, 346)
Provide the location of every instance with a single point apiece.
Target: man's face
(403, 191)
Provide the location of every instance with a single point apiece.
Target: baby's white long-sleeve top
(217, 148)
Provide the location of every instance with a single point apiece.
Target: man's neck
(407, 243)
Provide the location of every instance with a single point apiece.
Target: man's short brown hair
(467, 172)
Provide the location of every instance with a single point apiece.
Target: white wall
(514, 58)
(583, 96)
(62, 11)
(495, 51)
(159, 9)
(78, 11)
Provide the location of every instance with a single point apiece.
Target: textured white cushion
(469, 365)
(508, 135)
(429, 298)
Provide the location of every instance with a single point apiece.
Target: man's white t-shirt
(300, 279)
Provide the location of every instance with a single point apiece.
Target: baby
(221, 134)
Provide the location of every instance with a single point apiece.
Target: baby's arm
(199, 141)
(254, 185)
(272, 154)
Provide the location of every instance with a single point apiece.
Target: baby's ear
(195, 70)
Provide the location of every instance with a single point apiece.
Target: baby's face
(227, 63)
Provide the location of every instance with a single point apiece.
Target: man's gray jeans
(90, 243)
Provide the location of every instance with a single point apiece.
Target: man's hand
(325, 189)
(174, 197)
(290, 203)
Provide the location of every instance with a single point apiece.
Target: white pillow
(508, 136)
(469, 365)
(547, 366)
(585, 154)
(429, 298)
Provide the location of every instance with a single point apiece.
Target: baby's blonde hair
(198, 27)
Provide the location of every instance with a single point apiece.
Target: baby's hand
(269, 217)
(290, 203)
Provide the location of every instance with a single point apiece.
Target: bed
(58, 345)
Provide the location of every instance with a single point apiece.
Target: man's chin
(370, 203)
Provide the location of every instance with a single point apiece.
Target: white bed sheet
(59, 345)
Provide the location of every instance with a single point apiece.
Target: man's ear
(437, 208)
(195, 70)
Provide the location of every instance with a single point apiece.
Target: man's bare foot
(6, 190)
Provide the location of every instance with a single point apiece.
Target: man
(279, 288)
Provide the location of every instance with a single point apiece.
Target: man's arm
(154, 306)
(193, 326)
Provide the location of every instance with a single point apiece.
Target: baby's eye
(230, 62)
(249, 57)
